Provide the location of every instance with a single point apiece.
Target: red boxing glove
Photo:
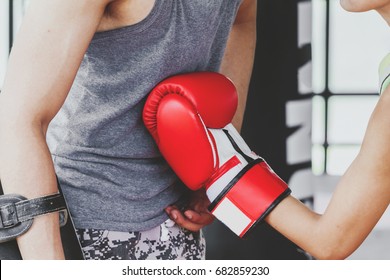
(189, 117)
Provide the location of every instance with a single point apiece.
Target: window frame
(326, 94)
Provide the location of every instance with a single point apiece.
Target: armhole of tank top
(133, 28)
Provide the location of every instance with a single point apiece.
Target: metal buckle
(63, 217)
(8, 216)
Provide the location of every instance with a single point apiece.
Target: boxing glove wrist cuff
(231, 184)
(271, 207)
(249, 197)
(384, 74)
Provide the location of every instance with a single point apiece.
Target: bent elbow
(332, 252)
(15, 120)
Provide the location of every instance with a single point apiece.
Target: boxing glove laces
(189, 117)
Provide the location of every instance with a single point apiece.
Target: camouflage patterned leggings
(165, 242)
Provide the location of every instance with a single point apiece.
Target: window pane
(318, 159)
(340, 158)
(318, 120)
(358, 42)
(4, 39)
(348, 118)
(318, 45)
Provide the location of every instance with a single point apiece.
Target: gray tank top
(108, 165)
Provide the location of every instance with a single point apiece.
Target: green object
(384, 74)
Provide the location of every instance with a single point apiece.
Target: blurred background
(314, 86)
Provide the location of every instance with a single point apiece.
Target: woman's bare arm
(360, 199)
(43, 63)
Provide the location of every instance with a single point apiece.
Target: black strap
(16, 217)
(15, 209)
